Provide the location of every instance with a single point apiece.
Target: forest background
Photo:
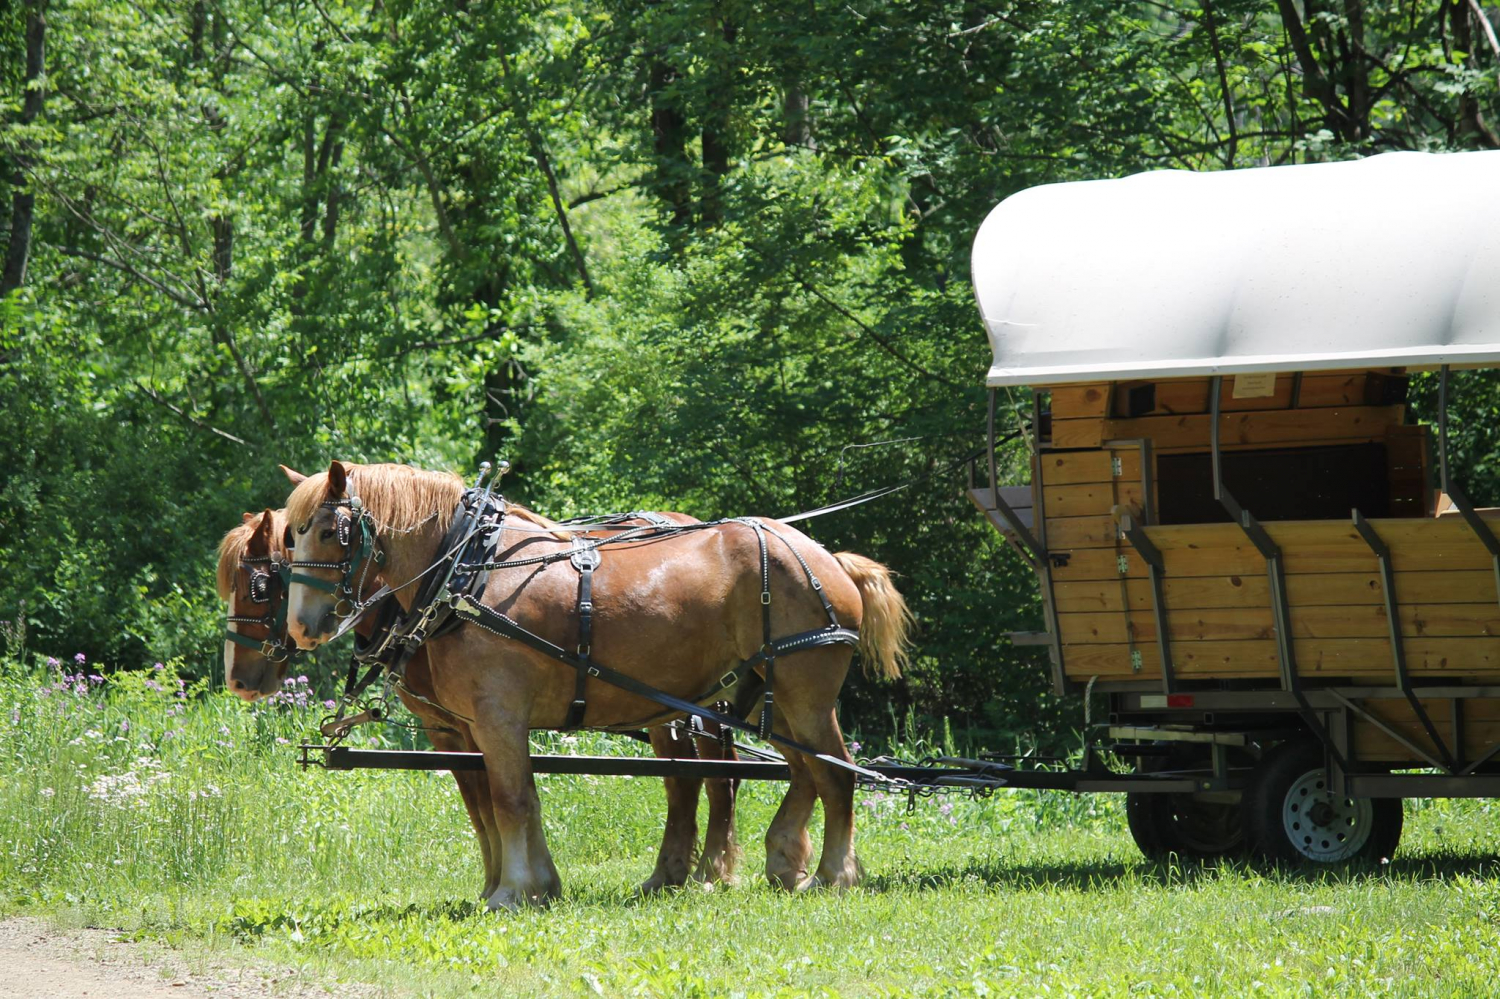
(688, 254)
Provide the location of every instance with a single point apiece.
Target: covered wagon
(1244, 537)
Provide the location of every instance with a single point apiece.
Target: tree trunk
(1471, 123)
(716, 131)
(796, 127)
(23, 199)
(669, 127)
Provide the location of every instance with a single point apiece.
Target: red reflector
(1179, 700)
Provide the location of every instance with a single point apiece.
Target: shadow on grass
(1110, 875)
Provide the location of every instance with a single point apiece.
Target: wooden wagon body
(1116, 459)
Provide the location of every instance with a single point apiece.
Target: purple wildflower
(79, 658)
(854, 747)
(152, 685)
(329, 705)
(303, 680)
(95, 678)
(158, 667)
(124, 727)
(53, 663)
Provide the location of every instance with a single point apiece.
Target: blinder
(359, 557)
(266, 585)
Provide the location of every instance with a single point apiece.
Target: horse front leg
(527, 874)
(679, 839)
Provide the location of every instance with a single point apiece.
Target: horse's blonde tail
(885, 632)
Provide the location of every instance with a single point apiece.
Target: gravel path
(40, 962)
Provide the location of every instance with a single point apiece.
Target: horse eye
(302, 529)
(326, 535)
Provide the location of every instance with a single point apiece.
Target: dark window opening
(1313, 483)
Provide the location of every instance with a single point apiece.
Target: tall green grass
(175, 812)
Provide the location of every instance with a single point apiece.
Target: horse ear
(245, 518)
(338, 481)
(292, 475)
(260, 540)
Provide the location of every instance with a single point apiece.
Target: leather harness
(454, 585)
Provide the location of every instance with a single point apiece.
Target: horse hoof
(792, 881)
(512, 900)
(507, 899)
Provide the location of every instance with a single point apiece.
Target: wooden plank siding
(1064, 468)
(1319, 589)
(1237, 623)
(1256, 428)
(1216, 594)
(1308, 546)
(1481, 725)
(1191, 395)
(1367, 659)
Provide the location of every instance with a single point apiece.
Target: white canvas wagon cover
(1390, 260)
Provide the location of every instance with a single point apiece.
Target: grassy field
(177, 815)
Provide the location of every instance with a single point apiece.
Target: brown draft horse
(251, 675)
(677, 613)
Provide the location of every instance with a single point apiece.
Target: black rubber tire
(1295, 769)
(1164, 824)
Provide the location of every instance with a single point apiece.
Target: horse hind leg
(679, 838)
(809, 709)
(788, 847)
(721, 851)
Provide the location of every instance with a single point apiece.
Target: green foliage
(658, 255)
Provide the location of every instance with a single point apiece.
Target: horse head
(252, 582)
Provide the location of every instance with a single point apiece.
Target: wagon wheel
(1163, 824)
(1291, 815)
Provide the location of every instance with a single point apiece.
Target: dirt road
(39, 962)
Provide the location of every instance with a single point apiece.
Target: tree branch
(539, 153)
(884, 344)
(190, 418)
(123, 267)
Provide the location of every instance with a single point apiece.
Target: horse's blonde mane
(399, 497)
(234, 545)
(526, 513)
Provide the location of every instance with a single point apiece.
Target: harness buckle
(765, 597)
(584, 650)
(592, 671)
(728, 680)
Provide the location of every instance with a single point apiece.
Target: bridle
(263, 582)
(360, 556)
